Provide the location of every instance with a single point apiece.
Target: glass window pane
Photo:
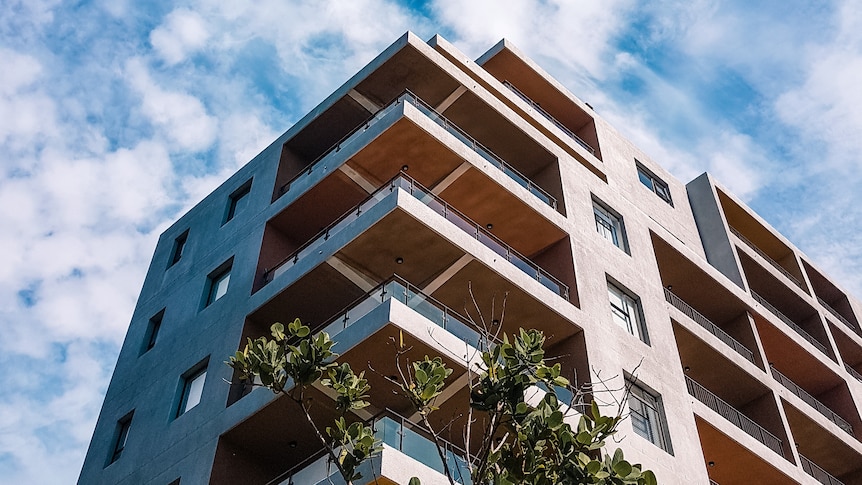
(194, 389)
(221, 286)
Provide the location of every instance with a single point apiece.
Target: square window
(237, 201)
(179, 246)
(192, 390)
(654, 183)
(153, 328)
(121, 435)
(218, 283)
(626, 312)
(647, 416)
(610, 225)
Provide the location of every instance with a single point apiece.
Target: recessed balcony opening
(406, 69)
(705, 301)
(316, 139)
(507, 142)
(399, 230)
(732, 462)
(761, 240)
(851, 352)
(820, 450)
(833, 300)
(543, 96)
(784, 304)
(806, 377)
(733, 393)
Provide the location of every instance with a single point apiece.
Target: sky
(117, 116)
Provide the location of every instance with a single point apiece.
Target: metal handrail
(549, 117)
(405, 426)
(835, 313)
(482, 150)
(425, 196)
(853, 372)
(818, 473)
(784, 318)
(460, 134)
(704, 322)
(811, 400)
(733, 415)
(765, 256)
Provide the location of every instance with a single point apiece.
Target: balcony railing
(818, 473)
(422, 194)
(835, 313)
(427, 110)
(550, 118)
(731, 414)
(399, 289)
(853, 372)
(765, 256)
(712, 482)
(704, 322)
(811, 400)
(396, 432)
(480, 149)
(784, 318)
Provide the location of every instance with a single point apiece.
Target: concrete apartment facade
(427, 174)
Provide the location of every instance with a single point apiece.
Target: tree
(521, 441)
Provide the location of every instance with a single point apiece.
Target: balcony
(322, 162)
(818, 473)
(831, 298)
(738, 419)
(771, 261)
(835, 314)
(425, 196)
(784, 318)
(550, 118)
(812, 401)
(708, 325)
(396, 433)
(853, 372)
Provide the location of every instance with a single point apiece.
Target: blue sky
(116, 116)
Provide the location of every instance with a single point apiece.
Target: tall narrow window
(610, 225)
(121, 435)
(654, 183)
(193, 386)
(237, 201)
(647, 416)
(218, 283)
(625, 311)
(153, 327)
(179, 246)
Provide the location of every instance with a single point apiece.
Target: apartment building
(427, 181)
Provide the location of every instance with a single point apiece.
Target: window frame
(651, 181)
(187, 388)
(121, 437)
(178, 248)
(220, 276)
(612, 223)
(630, 316)
(151, 336)
(649, 412)
(235, 201)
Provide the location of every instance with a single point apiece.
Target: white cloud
(574, 35)
(182, 34)
(181, 117)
